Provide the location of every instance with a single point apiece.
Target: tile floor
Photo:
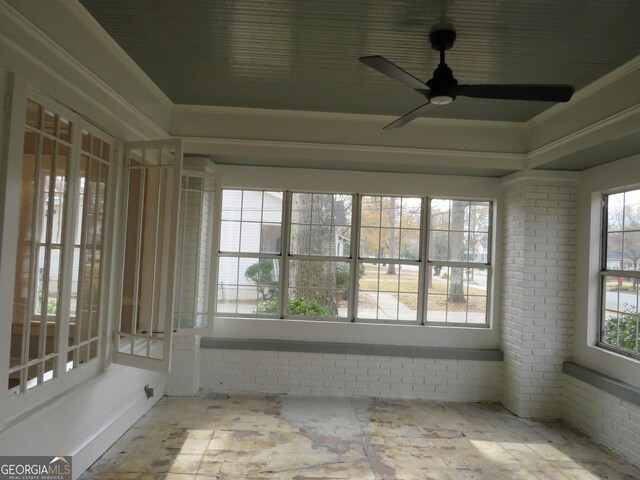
(300, 438)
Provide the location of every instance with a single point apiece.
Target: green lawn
(409, 286)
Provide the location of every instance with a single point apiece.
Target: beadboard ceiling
(303, 55)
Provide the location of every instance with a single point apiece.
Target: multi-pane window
(355, 257)
(319, 247)
(250, 244)
(389, 272)
(84, 313)
(193, 254)
(620, 271)
(458, 260)
(57, 277)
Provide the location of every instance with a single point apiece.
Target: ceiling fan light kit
(443, 88)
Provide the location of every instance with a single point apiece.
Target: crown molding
(355, 153)
(336, 116)
(544, 175)
(593, 88)
(623, 122)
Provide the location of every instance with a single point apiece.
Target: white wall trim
(100, 441)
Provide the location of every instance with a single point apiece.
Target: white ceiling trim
(335, 116)
(354, 153)
(589, 91)
(618, 125)
(550, 176)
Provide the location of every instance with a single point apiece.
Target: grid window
(250, 253)
(620, 319)
(459, 275)
(320, 227)
(84, 327)
(313, 271)
(60, 238)
(389, 270)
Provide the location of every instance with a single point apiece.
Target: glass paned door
(152, 205)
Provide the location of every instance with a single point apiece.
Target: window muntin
(391, 284)
(459, 276)
(620, 273)
(250, 258)
(54, 239)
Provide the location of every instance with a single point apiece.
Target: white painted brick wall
(607, 419)
(234, 371)
(539, 243)
(184, 379)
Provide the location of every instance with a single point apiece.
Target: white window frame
(355, 261)
(12, 406)
(605, 272)
(210, 236)
(470, 265)
(158, 294)
(219, 254)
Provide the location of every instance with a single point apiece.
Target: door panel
(143, 338)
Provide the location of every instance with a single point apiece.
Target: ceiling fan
(443, 88)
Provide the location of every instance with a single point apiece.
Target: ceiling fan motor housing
(443, 85)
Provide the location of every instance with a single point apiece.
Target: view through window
(396, 260)
(621, 273)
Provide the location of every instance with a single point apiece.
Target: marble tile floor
(306, 438)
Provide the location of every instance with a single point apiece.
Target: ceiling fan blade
(543, 93)
(390, 69)
(412, 115)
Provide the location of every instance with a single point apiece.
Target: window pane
(632, 210)
(318, 288)
(457, 295)
(623, 231)
(248, 285)
(388, 291)
(320, 224)
(250, 221)
(459, 231)
(391, 227)
(621, 313)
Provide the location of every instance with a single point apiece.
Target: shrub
(295, 306)
(622, 331)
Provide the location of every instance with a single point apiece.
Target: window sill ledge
(605, 383)
(442, 353)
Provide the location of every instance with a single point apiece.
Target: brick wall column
(184, 376)
(539, 254)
